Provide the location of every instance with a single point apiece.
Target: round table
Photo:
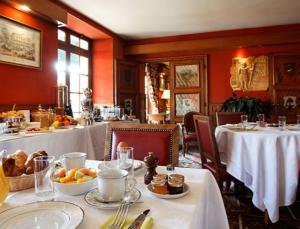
(266, 160)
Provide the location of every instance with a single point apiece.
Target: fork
(120, 217)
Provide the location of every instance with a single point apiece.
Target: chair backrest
(161, 139)
(206, 139)
(223, 118)
(156, 119)
(188, 121)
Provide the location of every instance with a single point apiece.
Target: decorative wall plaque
(249, 74)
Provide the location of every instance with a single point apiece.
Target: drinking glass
(43, 170)
(261, 120)
(281, 122)
(126, 159)
(3, 180)
(244, 119)
(298, 121)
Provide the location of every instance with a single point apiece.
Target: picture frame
(187, 76)
(186, 103)
(19, 44)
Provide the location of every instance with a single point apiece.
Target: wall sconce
(166, 94)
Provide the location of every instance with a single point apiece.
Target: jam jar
(161, 176)
(176, 177)
(175, 186)
(159, 186)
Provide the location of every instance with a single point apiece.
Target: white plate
(46, 215)
(114, 163)
(92, 198)
(293, 128)
(186, 190)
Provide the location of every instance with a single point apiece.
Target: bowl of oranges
(75, 181)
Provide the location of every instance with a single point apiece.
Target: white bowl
(76, 189)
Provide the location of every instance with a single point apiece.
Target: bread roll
(8, 165)
(29, 165)
(122, 145)
(20, 159)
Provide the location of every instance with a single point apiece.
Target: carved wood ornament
(249, 74)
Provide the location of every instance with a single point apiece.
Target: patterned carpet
(241, 212)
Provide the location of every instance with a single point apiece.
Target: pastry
(29, 165)
(20, 159)
(8, 165)
(10, 169)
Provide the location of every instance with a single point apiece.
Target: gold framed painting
(19, 44)
(187, 76)
(186, 103)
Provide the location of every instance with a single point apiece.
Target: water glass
(261, 120)
(244, 119)
(126, 159)
(43, 170)
(281, 122)
(298, 121)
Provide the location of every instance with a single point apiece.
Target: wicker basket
(20, 182)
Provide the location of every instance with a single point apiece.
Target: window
(73, 66)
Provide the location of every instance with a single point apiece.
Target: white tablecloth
(267, 161)
(89, 139)
(201, 208)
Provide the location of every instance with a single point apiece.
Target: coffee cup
(73, 160)
(113, 184)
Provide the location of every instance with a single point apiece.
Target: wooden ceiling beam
(253, 40)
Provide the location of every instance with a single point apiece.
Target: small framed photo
(19, 44)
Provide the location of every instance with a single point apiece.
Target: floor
(240, 211)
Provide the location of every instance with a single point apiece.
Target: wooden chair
(188, 131)
(163, 140)
(210, 156)
(223, 118)
(156, 119)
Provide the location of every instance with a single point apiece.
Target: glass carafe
(3, 181)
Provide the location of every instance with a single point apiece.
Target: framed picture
(19, 44)
(187, 75)
(186, 103)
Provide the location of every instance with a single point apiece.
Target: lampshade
(166, 94)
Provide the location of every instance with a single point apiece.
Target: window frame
(69, 48)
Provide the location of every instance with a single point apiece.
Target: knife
(137, 223)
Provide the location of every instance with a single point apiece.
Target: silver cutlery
(120, 217)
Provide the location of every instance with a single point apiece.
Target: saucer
(92, 198)
(186, 190)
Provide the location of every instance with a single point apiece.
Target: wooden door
(188, 84)
(126, 87)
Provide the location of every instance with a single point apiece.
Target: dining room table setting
(39, 190)
(265, 157)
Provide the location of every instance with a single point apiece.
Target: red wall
(103, 71)
(219, 70)
(23, 85)
(220, 60)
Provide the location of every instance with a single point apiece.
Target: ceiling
(139, 19)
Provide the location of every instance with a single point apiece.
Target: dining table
(201, 207)
(89, 139)
(266, 160)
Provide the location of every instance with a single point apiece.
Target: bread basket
(21, 182)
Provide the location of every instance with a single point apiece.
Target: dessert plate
(186, 190)
(92, 198)
(46, 215)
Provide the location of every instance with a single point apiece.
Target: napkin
(147, 224)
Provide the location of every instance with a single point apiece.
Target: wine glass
(244, 120)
